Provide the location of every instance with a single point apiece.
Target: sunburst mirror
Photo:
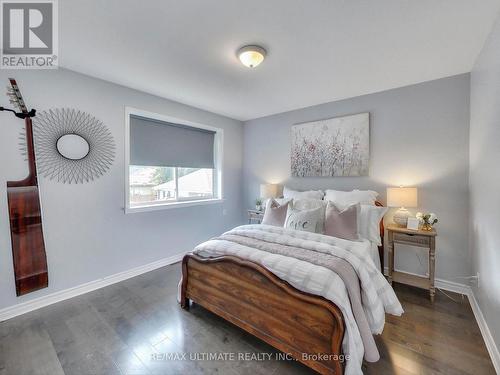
(71, 146)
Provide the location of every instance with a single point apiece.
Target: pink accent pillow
(342, 224)
(275, 214)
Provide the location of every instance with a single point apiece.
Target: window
(170, 162)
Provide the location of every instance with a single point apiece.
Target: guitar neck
(32, 177)
(16, 98)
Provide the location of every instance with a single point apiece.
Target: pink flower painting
(334, 147)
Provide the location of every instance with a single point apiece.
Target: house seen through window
(164, 184)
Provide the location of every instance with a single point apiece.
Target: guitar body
(28, 248)
(25, 214)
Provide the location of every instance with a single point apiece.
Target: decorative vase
(401, 217)
(258, 207)
(427, 227)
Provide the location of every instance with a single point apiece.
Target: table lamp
(401, 197)
(269, 191)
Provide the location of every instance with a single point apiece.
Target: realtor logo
(29, 34)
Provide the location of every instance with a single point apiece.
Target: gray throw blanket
(337, 265)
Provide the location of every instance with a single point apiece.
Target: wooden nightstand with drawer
(420, 238)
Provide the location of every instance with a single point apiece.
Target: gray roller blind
(160, 143)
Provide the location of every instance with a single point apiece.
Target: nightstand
(419, 238)
(255, 216)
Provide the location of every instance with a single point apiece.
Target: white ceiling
(318, 50)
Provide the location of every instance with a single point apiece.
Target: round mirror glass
(73, 146)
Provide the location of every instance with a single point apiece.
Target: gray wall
(88, 235)
(485, 180)
(418, 137)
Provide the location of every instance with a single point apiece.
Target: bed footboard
(307, 327)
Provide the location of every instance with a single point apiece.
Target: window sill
(167, 206)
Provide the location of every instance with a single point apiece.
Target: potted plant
(258, 204)
(427, 220)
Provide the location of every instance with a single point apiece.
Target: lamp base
(401, 217)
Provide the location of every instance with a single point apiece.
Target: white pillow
(309, 204)
(346, 198)
(304, 220)
(369, 222)
(310, 194)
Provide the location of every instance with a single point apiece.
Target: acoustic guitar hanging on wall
(28, 248)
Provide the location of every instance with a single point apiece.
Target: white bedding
(377, 296)
(374, 254)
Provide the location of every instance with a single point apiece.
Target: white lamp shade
(402, 197)
(268, 191)
(251, 56)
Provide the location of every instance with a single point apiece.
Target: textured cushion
(346, 198)
(342, 223)
(310, 194)
(369, 223)
(275, 214)
(309, 204)
(304, 220)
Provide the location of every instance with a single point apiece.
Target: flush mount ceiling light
(251, 56)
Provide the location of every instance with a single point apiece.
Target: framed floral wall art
(337, 146)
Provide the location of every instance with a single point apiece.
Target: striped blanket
(266, 245)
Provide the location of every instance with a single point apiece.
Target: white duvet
(377, 295)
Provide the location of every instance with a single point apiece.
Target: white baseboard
(37, 303)
(478, 314)
(450, 286)
(485, 332)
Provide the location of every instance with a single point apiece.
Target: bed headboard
(381, 248)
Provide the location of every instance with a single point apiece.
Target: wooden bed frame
(246, 294)
(382, 234)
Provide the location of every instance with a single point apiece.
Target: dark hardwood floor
(128, 328)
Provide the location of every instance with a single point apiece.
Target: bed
(317, 322)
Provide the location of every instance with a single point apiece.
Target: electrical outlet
(224, 212)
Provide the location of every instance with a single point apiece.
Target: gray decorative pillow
(275, 214)
(342, 223)
(304, 220)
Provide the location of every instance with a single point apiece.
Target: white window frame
(182, 202)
